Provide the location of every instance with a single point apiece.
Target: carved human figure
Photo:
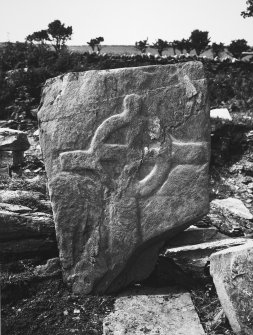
(126, 192)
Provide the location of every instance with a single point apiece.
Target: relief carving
(137, 181)
(170, 152)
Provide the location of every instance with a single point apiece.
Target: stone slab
(13, 140)
(232, 271)
(193, 259)
(126, 153)
(10, 196)
(195, 235)
(14, 208)
(17, 226)
(167, 311)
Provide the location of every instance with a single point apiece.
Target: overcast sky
(127, 21)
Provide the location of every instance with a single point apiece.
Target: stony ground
(41, 304)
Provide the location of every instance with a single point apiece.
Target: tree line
(57, 34)
(24, 67)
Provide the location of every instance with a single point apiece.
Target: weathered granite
(232, 271)
(126, 153)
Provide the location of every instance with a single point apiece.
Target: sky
(123, 22)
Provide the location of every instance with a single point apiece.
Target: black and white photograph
(126, 167)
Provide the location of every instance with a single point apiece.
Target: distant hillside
(119, 49)
(130, 49)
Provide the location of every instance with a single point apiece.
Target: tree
(142, 45)
(174, 46)
(183, 45)
(95, 42)
(92, 44)
(56, 33)
(160, 45)
(99, 40)
(236, 47)
(38, 36)
(187, 45)
(59, 34)
(217, 49)
(249, 9)
(199, 40)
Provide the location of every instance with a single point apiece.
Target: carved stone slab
(126, 153)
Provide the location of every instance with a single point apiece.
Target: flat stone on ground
(167, 311)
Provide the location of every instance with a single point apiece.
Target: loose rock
(13, 140)
(220, 113)
(17, 196)
(51, 268)
(14, 208)
(235, 206)
(232, 271)
(193, 259)
(14, 226)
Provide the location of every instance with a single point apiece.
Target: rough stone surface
(232, 271)
(126, 153)
(153, 311)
